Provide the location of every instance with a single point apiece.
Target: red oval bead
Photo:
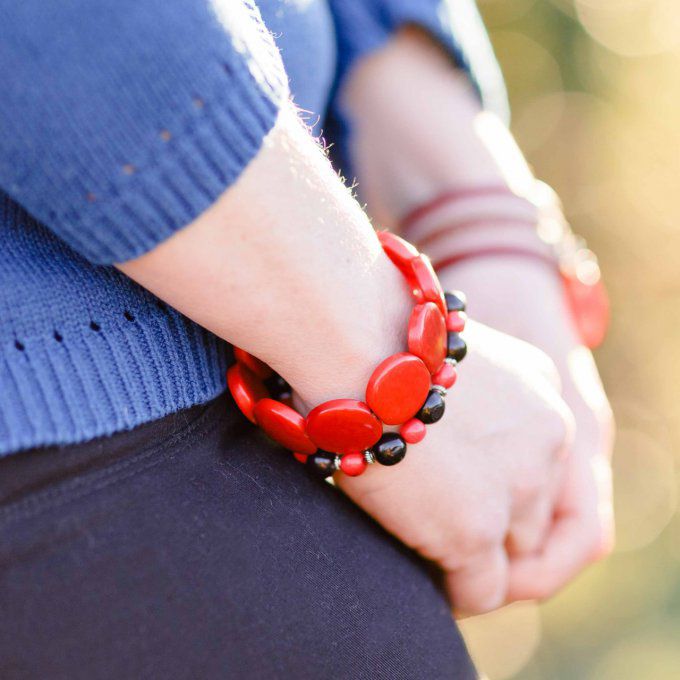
(399, 251)
(402, 253)
(284, 425)
(446, 376)
(353, 464)
(427, 281)
(397, 388)
(343, 426)
(246, 389)
(427, 335)
(590, 309)
(259, 368)
(300, 457)
(413, 431)
(455, 321)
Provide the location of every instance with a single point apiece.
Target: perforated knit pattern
(95, 353)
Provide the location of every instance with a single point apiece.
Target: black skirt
(192, 547)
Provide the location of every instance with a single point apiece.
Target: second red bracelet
(405, 392)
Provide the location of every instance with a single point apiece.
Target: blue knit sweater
(120, 122)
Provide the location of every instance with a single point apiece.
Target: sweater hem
(99, 382)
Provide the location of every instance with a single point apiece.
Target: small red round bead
(258, 367)
(343, 426)
(455, 322)
(246, 389)
(446, 376)
(397, 388)
(284, 425)
(301, 457)
(353, 464)
(427, 335)
(413, 431)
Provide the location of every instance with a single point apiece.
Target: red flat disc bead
(343, 426)
(413, 431)
(427, 335)
(446, 376)
(399, 251)
(259, 368)
(427, 281)
(398, 387)
(590, 309)
(402, 253)
(284, 425)
(455, 321)
(353, 464)
(246, 389)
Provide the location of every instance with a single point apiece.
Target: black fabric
(192, 547)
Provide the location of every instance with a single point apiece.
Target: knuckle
(607, 424)
(539, 589)
(546, 367)
(600, 547)
(477, 537)
(551, 373)
(544, 591)
(430, 542)
(559, 428)
(528, 488)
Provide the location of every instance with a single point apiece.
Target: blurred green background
(595, 91)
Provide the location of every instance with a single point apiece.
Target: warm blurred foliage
(595, 91)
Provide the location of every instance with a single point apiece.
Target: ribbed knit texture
(95, 353)
(120, 122)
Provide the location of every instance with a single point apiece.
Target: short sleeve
(120, 122)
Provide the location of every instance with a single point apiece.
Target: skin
(451, 143)
(286, 265)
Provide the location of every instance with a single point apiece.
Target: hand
(525, 298)
(485, 477)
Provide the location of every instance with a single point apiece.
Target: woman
(161, 197)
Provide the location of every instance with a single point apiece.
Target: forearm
(423, 132)
(286, 265)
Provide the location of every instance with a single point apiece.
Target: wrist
(406, 388)
(351, 347)
(492, 239)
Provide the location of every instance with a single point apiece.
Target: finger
(568, 549)
(533, 512)
(529, 527)
(602, 473)
(480, 585)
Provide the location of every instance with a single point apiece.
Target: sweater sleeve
(365, 25)
(120, 122)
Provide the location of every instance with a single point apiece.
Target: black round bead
(455, 301)
(322, 464)
(390, 449)
(277, 386)
(433, 408)
(456, 347)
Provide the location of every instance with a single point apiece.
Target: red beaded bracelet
(407, 389)
(578, 266)
(584, 290)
